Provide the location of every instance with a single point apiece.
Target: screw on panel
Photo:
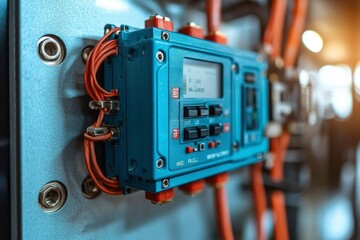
(235, 68)
(259, 156)
(89, 188)
(165, 36)
(52, 196)
(235, 146)
(86, 52)
(165, 183)
(160, 56)
(51, 50)
(160, 163)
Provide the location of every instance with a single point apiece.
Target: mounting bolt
(165, 183)
(86, 52)
(235, 146)
(160, 163)
(52, 196)
(51, 50)
(235, 68)
(89, 188)
(160, 56)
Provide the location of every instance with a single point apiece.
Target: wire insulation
(213, 12)
(296, 29)
(223, 215)
(102, 50)
(259, 196)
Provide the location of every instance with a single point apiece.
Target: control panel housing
(189, 109)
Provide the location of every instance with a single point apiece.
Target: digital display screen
(201, 79)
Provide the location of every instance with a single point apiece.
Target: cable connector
(112, 106)
(101, 131)
(97, 131)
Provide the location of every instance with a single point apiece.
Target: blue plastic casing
(152, 119)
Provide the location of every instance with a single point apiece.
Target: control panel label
(217, 155)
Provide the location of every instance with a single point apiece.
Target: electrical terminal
(112, 106)
(101, 131)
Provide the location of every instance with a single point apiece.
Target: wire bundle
(103, 49)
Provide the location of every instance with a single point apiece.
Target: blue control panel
(189, 109)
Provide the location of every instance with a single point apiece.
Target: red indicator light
(175, 93)
(212, 144)
(189, 149)
(226, 127)
(176, 133)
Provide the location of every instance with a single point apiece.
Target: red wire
(213, 12)
(259, 195)
(274, 29)
(278, 147)
(223, 215)
(103, 49)
(296, 28)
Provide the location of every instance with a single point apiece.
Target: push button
(190, 112)
(215, 110)
(190, 133)
(189, 149)
(203, 111)
(215, 129)
(212, 144)
(203, 131)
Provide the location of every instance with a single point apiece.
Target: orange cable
(274, 29)
(296, 28)
(223, 214)
(213, 12)
(103, 49)
(278, 147)
(259, 195)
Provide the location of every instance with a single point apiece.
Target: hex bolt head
(89, 189)
(52, 196)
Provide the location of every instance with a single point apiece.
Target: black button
(203, 131)
(203, 111)
(215, 110)
(190, 112)
(215, 129)
(190, 133)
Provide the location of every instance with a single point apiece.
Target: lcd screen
(201, 79)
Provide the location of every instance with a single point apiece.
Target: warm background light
(312, 41)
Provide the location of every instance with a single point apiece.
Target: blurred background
(322, 163)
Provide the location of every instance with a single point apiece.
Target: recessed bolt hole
(159, 163)
(160, 56)
(165, 36)
(52, 197)
(51, 50)
(165, 183)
